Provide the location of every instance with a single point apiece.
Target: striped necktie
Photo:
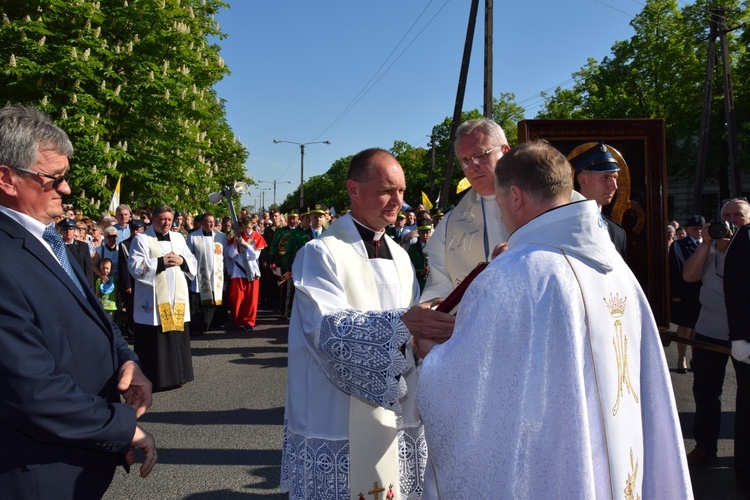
(52, 237)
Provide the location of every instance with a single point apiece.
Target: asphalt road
(219, 437)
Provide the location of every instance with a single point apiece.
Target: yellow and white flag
(463, 185)
(426, 201)
(115, 198)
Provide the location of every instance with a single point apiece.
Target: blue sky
(304, 70)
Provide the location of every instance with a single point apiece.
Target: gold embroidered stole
(210, 284)
(172, 318)
(614, 334)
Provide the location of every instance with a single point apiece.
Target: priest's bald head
(375, 183)
(530, 179)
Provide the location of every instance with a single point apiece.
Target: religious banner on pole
(115, 198)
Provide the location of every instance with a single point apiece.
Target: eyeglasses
(56, 181)
(476, 159)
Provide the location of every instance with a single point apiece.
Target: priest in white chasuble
(554, 383)
(161, 263)
(351, 425)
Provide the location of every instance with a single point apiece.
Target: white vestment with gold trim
(554, 384)
(209, 255)
(143, 265)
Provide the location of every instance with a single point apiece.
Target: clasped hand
(427, 326)
(172, 259)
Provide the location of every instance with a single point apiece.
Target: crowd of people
(385, 385)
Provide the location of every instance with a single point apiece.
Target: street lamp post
(261, 196)
(301, 165)
(274, 187)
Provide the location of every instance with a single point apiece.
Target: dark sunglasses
(56, 181)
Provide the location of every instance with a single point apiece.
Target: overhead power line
(370, 83)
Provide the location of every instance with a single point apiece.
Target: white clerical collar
(376, 234)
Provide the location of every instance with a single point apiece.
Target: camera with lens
(719, 230)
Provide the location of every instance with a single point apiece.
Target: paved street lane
(219, 437)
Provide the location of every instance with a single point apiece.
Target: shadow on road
(242, 416)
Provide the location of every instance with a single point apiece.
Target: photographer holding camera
(707, 264)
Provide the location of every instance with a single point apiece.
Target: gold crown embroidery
(616, 305)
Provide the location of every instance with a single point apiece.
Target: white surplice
(143, 265)
(344, 340)
(554, 384)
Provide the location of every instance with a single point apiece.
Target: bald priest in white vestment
(351, 428)
(554, 384)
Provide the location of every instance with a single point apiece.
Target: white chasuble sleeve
(357, 350)
(141, 264)
(439, 284)
(360, 354)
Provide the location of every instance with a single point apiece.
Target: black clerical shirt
(368, 237)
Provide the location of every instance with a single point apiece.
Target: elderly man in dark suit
(737, 297)
(64, 366)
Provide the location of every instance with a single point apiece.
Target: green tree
(131, 82)
(571, 104)
(507, 114)
(660, 73)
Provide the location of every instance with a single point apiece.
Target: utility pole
(274, 187)
(731, 112)
(444, 193)
(717, 27)
(301, 165)
(433, 145)
(488, 58)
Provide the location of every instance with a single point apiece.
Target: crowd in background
(283, 234)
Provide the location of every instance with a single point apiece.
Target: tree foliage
(660, 73)
(131, 82)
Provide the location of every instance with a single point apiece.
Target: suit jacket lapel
(36, 249)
